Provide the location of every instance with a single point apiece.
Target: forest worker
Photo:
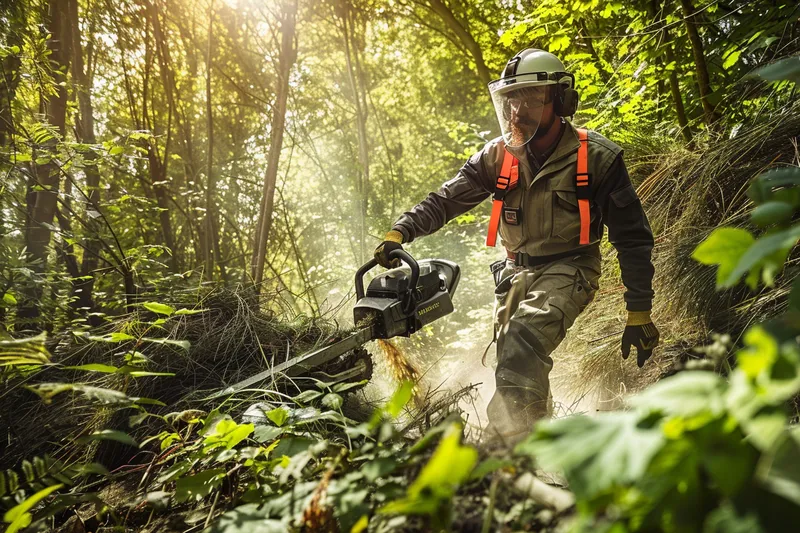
(554, 187)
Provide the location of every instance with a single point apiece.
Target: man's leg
(534, 316)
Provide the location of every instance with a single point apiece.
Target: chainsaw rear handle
(372, 263)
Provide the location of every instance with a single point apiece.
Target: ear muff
(566, 103)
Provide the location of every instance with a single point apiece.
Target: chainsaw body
(402, 300)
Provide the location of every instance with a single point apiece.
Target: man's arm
(629, 232)
(466, 190)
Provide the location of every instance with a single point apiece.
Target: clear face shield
(519, 107)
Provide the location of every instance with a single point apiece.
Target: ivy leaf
(159, 308)
(198, 486)
(332, 400)
(595, 453)
(279, 416)
(724, 247)
(770, 213)
(228, 433)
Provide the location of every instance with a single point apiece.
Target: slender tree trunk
(83, 288)
(212, 249)
(657, 13)
(42, 202)
(703, 79)
(447, 16)
(288, 55)
(9, 75)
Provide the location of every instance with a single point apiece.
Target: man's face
(530, 113)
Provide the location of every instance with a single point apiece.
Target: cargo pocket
(566, 216)
(624, 196)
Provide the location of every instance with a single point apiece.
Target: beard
(522, 127)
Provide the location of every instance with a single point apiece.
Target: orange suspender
(507, 180)
(582, 184)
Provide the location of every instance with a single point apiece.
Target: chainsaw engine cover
(397, 310)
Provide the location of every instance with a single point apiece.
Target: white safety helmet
(520, 95)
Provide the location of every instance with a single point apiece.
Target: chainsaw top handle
(372, 263)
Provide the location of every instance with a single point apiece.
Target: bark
(701, 68)
(211, 249)
(657, 13)
(445, 13)
(287, 57)
(42, 202)
(82, 289)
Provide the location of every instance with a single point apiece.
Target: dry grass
(687, 194)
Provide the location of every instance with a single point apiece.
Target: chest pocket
(512, 235)
(566, 219)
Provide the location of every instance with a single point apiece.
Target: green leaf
(763, 186)
(110, 434)
(732, 58)
(400, 398)
(794, 296)
(198, 486)
(116, 150)
(686, 394)
(761, 252)
(278, 416)
(248, 518)
(19, 516)
(9, 299)
(307, 396)
(378, 468)
(723, 247)
(332, 400)
(595, 453)
(228, 433)
(263, 434)
(488, 466)
(159, 308)
(183, 312)
(94, 367)
(771, 213)
(449, 466)
(785, 69)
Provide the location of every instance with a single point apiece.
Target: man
(554, 188)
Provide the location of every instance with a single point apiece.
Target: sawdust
(402, 369)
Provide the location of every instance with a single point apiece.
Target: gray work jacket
(550, 217)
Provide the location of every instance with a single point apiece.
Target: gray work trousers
(534, 308)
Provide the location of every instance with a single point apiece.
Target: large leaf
(724, 247)
(198, 486)
(785, 69)
(110, 434)
(596, 454)
(159, 308)
(763, 187)
(248, 518)
(769, 251)
(228, 433)
(686, 394)
(19, 516)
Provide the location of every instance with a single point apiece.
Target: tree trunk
(657, 14)
(703, 79)
(444, 12)
(82, 289)
(9, 76)
(212, 253)
(286, 59)
(42, 202)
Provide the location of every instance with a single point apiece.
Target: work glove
(392, 241)
(641, 333)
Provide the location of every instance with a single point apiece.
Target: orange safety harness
(509, 175)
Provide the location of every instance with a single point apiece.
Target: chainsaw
(397, 303)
